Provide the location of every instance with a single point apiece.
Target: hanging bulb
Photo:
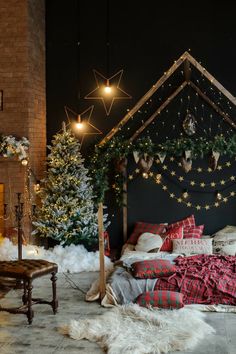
(107, 88)
(218, 196)
(79, 124)
(24, 162)
(185, 194)
(145, 175)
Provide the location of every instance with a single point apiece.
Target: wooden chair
(27, 270)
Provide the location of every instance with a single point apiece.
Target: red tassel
(107, 250)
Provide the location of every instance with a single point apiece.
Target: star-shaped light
(172, 173)
(202, 184)
(108, 90)
(232, 178)
(199, 169)
(222, 182)
(172, 195)
(81, 122)
(164, 167)
(217, 204)
(228, 164)
(164, 188)
(232, 194)
(225, 200)
(151, 174)
(192, 183)
(131, 177)
(198, 207)
(207, 207)
(172, 158)
(137, 170)
(158, 161)
(179, 164)
(179, 200)
(181, 178)
(213, 184)
(219, 168)
(209, 169)
(189, 204)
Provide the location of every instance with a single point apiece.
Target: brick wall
(22, 79)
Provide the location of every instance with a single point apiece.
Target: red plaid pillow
(154, 268)
(187, 222)
(193, 232)
(161, 298)
(170, 235)
(141, 227)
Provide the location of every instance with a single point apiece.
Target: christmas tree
(67, 213)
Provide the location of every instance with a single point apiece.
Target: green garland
(10, 147)
(117, 148)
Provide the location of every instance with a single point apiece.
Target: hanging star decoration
(108, 90)
(81, 122)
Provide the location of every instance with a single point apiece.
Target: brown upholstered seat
(27, 270)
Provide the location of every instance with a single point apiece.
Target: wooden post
(102, 276)
(125, 206)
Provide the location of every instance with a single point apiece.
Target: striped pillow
(141, 227)
(161, 298)
(187, 222)
(193, 232)
(152, 268)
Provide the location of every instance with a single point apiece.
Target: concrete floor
(43, 335)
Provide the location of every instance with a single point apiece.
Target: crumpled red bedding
(203, 279)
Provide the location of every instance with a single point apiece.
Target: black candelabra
(19, 213)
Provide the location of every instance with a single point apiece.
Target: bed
(200, 268)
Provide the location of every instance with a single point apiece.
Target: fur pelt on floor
(132, 329)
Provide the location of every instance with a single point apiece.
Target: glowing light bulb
(218, 195)
(107, 89)
(145, 175)
(24, 162)
(185, 195)
(79, 125)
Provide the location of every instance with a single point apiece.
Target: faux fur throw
(131, 329)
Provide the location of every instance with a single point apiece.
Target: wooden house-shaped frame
(188, 62)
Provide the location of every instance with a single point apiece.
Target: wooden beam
(124, 208)
(158, 111)
(102, 275)
(141, 102)
(211, 78)
(187, 70)
(213, 105)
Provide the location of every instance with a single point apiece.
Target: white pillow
(188, 246)
(225, 248)
(228, 233)
(148, 241)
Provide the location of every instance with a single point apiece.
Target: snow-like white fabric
(131, 329)
(72, 259)
(148, 241)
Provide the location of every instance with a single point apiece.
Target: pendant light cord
(78, 11)
(108, 37)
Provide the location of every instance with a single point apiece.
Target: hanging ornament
(121, 164)
(145, 163)
(136, 156)
(190, 124)
(186, 161)
(213, 161)
(161, 156)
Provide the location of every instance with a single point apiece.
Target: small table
(28, 270)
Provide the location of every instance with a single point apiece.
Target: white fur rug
(132, 329)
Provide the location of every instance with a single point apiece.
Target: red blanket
(203, 279)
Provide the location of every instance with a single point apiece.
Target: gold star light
(172, 158)
(213, 184)
(108, 90)
(207, 207)
(199, 169)
(172, 195)
(217, 204)
(137, 170)
(172, 173)
(232, 178)
(189, 204)
(131, 177)
(232, 194)
(181, 178)
(202, 184)
(228, 164)
(198, 207)
(164, 167)
(81, 122)
(192, 183)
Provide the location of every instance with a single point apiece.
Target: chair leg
(30, 312)
(24, 296)
(54, 293)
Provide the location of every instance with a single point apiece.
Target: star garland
(193, 183)
(181, 199)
